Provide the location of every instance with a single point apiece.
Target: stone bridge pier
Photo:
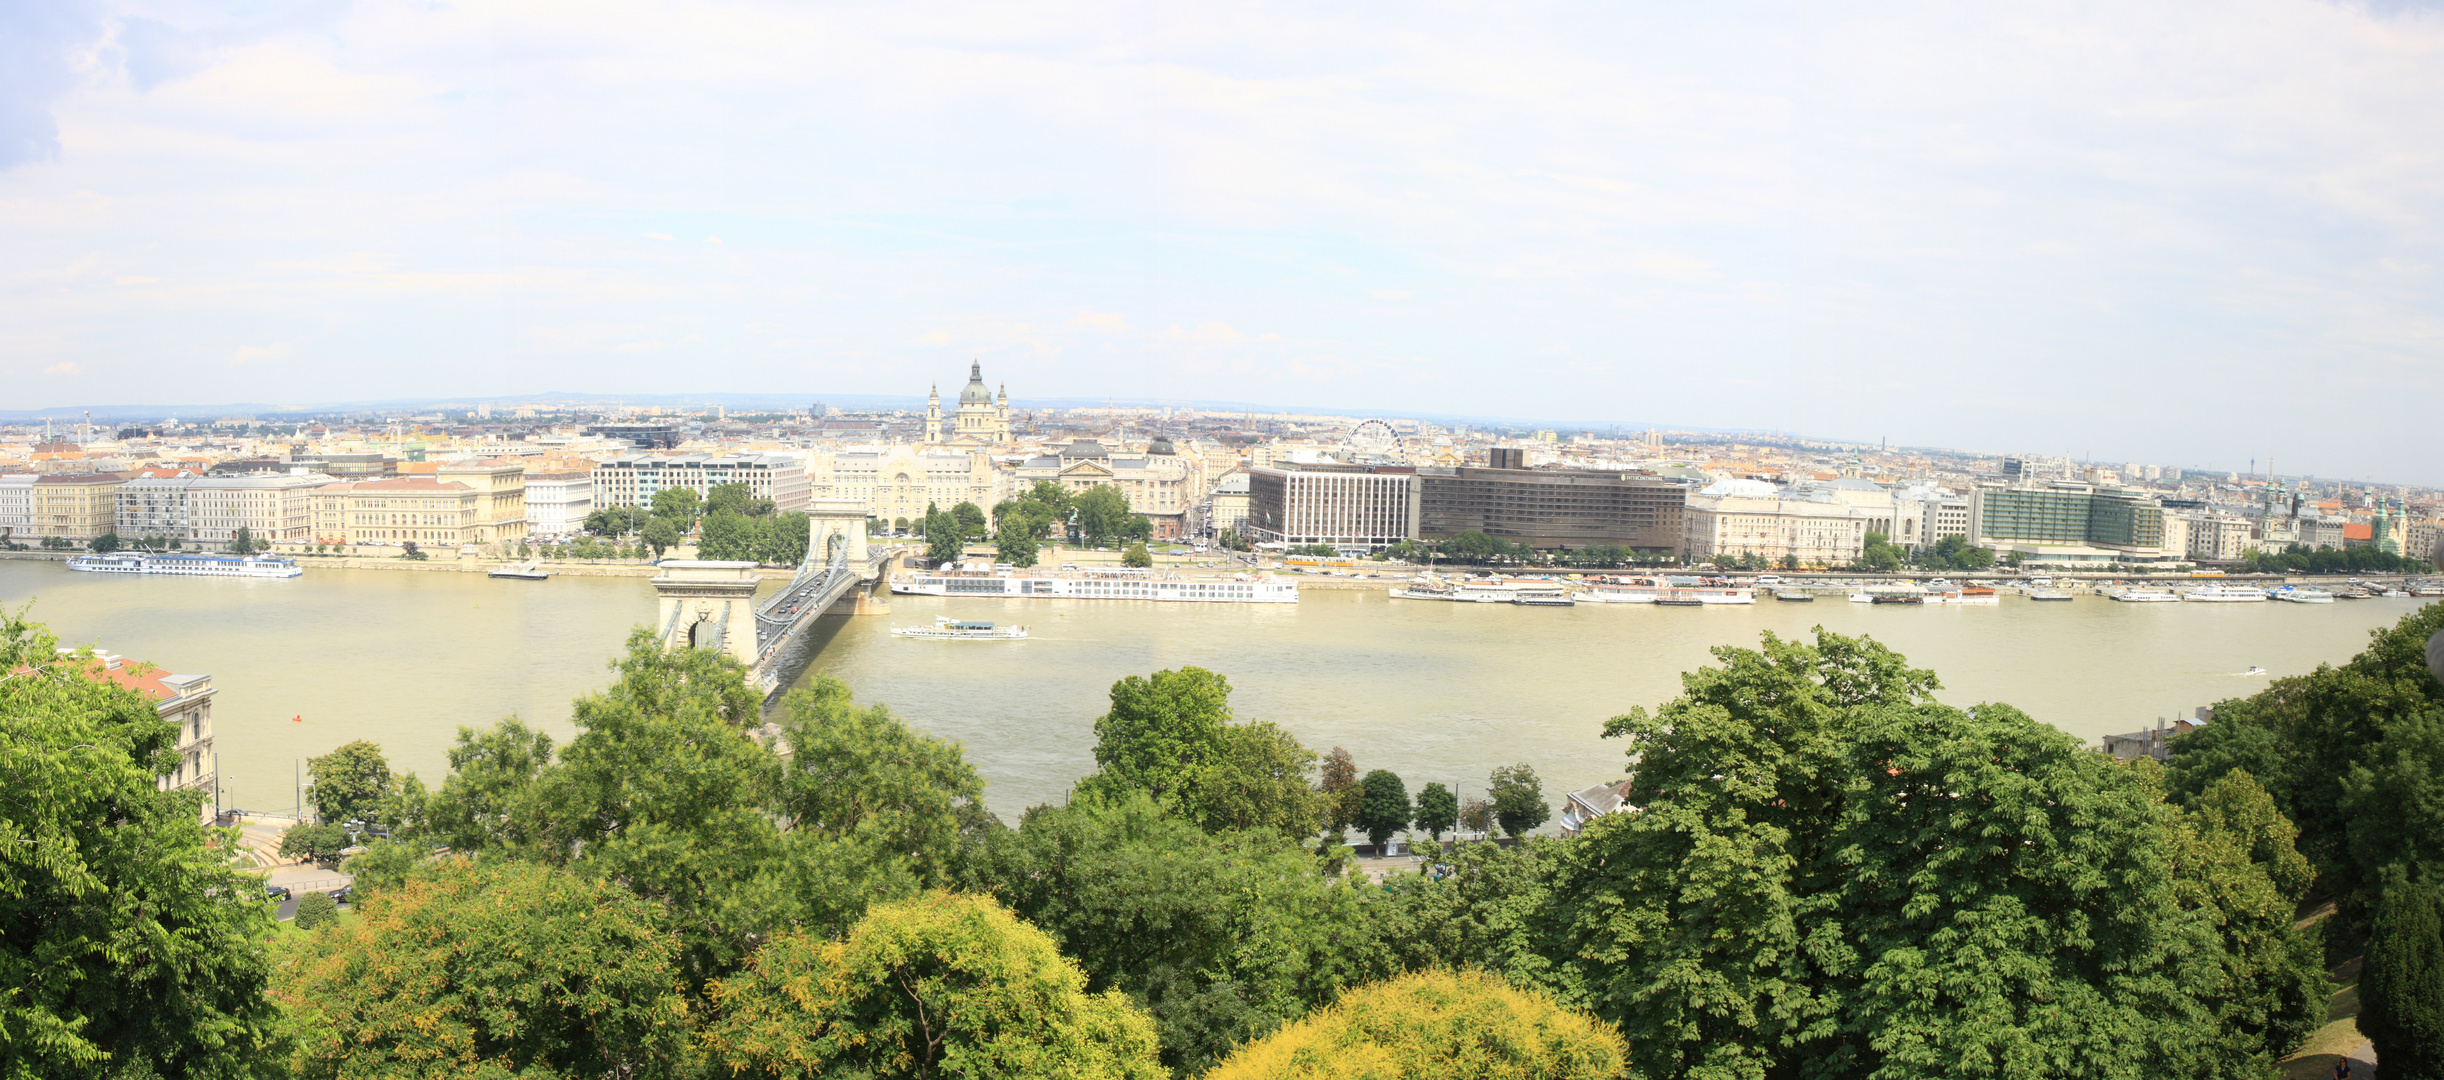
(708, 605)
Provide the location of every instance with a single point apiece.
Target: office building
(1734, 519)
(631, 481)
(1358, 507)
(2074, 523)
(1549, 508)
(558, 500)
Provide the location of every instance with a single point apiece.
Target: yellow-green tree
(1430, 1025)
(942, 985)
(495, 968)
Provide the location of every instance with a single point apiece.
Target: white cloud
(65, 367)
(1829, 201)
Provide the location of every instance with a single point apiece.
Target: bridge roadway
(785, 616)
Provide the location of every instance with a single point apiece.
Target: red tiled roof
(2359, 530)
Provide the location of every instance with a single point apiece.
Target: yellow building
(980, 420)
(500, 504)
(78, 506)
(418, 510)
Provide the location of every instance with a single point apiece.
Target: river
(1432, 691)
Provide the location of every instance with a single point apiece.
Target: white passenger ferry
(1098, 584)
(945, 628)
(198, 565)
(1670, 592)
(1480, 591)
(2225, 594)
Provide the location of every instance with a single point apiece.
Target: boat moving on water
(2303, 596)
(530, 570)
(945, 628)
(1100, 584)
(2224, 594)
(200, 565)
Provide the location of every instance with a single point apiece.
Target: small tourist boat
(530, 570)
(945, 628)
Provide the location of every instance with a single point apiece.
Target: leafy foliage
(2401, 983)
(350, 782)
(130, 945)
(1221, 935)
(942, 985)
(490, 968)
(315, 909)
(1384, 807)
(1014, 541)
(771, 539)
(1438, 810)
(1518, 798)
(1433, 1025)
(1833, 875)
(1170, 735)
(736, 498)
(321, 843)
(1136, 556)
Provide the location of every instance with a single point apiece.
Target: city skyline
(2191, 234)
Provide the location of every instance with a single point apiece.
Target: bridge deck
(784, 616)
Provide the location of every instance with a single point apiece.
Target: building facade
(631, 481)
(500, 496)
(896, 483)
(1163, 487)
(2074, 523)
(414, 509)
(75, 506)
(1551, 508)
(557, 501)
(1752, 519)
(184, 700)
(1226, 508)
(17, 507)
(1369, 507)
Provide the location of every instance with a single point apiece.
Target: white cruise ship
(1474, 591)
(2225, 594)
(1114, 584)
(199, 565)
(2303, 596)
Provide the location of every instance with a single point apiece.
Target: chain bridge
(712, 605)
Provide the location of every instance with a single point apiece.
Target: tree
(1342, 793)
(1518, 798)
(661, 535)
(1103, 513)
(105, 543)
(320, 843)
(1255, 777)
(1833, 874)
(1159, 728)
(314, 909)
(736, 498)
(2401, 982)
(1136, 556)
(945, 540)
(1221, 935)
(971, 521)
(349, 782)
(1438, 810)
(489, 968)
(613, 520)
(134, 947)
(1014, 541)
(678, 505)
(1384, 807)
(942, 985)
(727, 535)
(242, 542)
(1879, 555)
(1477, 816)
(1435, 1025)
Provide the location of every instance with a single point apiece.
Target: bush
(315, 909)
(1136, 556)
(2401, 984)
(1431, 1025)
(941, 985)
(320, 843)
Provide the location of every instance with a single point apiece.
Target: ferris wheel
(1374, 437)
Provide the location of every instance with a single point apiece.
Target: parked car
(276, 892)
(342, 893)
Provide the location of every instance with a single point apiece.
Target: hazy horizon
(2181, 234)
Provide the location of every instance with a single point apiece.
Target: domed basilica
(982, 421)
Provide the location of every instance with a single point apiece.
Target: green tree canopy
(736, 498)
(1170, 735)
(350, 782)
(1383, 808)
(130, 945)
(1136, 556)
(1518, 798)
(1338, 780)
(971, 521)
(1103, 514)
(679, 506)
(315, 909)
(661, 535)
(1438, 810)
(1014, 540)
(1831, 874)
(944, 985)
(1221, 935)
(2401, 981)
(1880, 555)
(1435, 1025)
(492, 968)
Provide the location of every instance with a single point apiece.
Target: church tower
(1001, 415)
(933, 414)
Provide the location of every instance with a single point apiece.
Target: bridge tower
(708, 605)
(827, 519)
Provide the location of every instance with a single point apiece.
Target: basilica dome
(974, 393)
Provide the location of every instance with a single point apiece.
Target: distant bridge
(712, 605)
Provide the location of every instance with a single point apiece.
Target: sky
(2186, 233)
